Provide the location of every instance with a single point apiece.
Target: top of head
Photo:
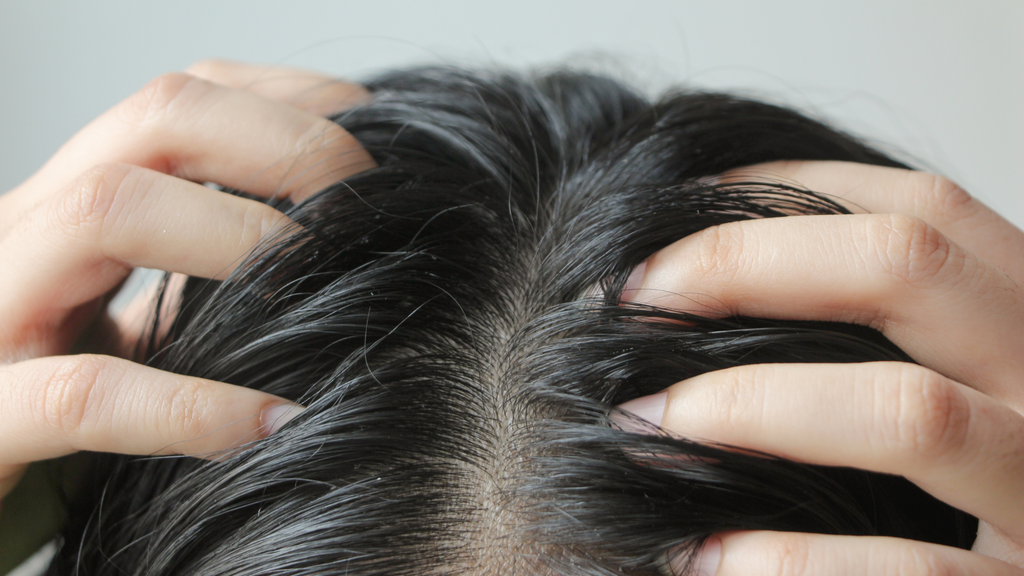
(438, 317)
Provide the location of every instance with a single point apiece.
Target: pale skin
(940, 275)
(125, 192)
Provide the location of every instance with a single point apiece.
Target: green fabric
(33, 513)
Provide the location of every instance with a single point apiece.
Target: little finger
(310, 91)
(765, 553)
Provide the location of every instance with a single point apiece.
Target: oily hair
(452, 321)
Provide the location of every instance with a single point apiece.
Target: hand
(935, 271)
(127, 192)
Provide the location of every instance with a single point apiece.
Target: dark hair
(452, 321)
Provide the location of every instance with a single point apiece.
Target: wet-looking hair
(451, 319)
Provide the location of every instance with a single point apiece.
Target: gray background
(941, 81)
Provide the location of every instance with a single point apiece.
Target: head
(453, 322)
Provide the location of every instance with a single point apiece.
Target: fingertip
(650, 408)
(646, 408)
(704, 563)
(274, 418)
(633, 283)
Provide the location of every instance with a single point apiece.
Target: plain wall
(941, 80)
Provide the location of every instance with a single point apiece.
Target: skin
(127, 192)
(939, 274)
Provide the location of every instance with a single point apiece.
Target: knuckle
(156, 98)
(188, 409)
(787, 555)
(257, 221)
(320, 142)
(71, 394)
(739, 398)
(208, 68)
(89, 201)
(717, 252)
(912, 251)
(932, 417)
(945, 198)
(915, 560)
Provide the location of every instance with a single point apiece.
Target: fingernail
(708, 181)
(650, 408)
(275, 417)
(636, 278)
(706, 562)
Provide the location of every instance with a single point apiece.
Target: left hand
(937, 273)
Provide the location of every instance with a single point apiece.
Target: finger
(310, 91)
(994, 543)
(934, 199)
(58, 405)
(204, 132)
(895, 273)
(765, 553)
(956, 443)
(114, 218)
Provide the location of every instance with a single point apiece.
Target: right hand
(127, 192)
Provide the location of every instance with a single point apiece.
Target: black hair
(451, 319)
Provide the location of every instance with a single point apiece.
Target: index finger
(881, 190)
